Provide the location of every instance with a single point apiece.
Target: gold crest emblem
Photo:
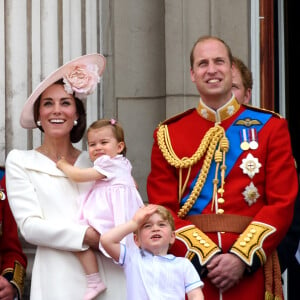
(247, 122)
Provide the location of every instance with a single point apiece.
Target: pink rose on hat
(82, 80)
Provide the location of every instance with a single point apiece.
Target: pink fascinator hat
(81, 76)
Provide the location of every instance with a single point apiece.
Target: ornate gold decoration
(250, 242)
(214, 136)
(197, 242)
(19, 277)
(18, 273)
(248, 122)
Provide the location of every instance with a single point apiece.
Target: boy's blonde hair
(166, 215)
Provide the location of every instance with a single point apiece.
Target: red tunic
(276, 189)
(13, 260)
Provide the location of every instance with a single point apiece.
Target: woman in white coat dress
(43, 200)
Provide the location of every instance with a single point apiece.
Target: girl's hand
(61, 162)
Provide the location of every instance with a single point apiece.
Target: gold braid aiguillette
(208, 147)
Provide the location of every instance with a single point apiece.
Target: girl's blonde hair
(116, 128)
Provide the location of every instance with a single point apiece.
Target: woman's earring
(38, 123)
(75, 122)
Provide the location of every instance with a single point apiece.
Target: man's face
(241, 94)
(211, 72)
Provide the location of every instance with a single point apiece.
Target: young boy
(152, 273)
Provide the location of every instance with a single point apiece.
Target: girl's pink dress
(113, 200)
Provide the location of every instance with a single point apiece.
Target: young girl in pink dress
(113, 199)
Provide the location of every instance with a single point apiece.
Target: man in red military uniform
(13, 261)
(227, 173)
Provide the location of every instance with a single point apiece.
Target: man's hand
(7, 291)
(225, 271)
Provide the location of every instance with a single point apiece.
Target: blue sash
(233, 135)
(2, 172)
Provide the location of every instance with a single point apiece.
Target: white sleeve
(107, 166)
(60, 233)
(192, 278)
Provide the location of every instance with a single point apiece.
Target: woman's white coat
(45, 205)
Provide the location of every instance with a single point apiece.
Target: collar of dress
(221, 114)
(35, 161)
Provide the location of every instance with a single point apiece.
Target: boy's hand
(143, 213)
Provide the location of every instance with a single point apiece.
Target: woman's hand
(92, 238)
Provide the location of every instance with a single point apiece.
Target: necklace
(71, 155)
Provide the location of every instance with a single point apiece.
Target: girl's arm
(110, 240)
(195, 294)
(77, 174)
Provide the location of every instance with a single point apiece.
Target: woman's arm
(92, 238)
(78, 174)
(43, 206)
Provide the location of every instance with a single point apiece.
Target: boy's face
(155, 235)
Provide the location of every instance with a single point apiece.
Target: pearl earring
(75, 122)
(38, 123)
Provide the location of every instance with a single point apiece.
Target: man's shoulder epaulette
(176, 117)
(263, 110)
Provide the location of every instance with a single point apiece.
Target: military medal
(2, 195)
(251, 194)
(253, 139)
(250, 165)
(253, 145)
(244, 144)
